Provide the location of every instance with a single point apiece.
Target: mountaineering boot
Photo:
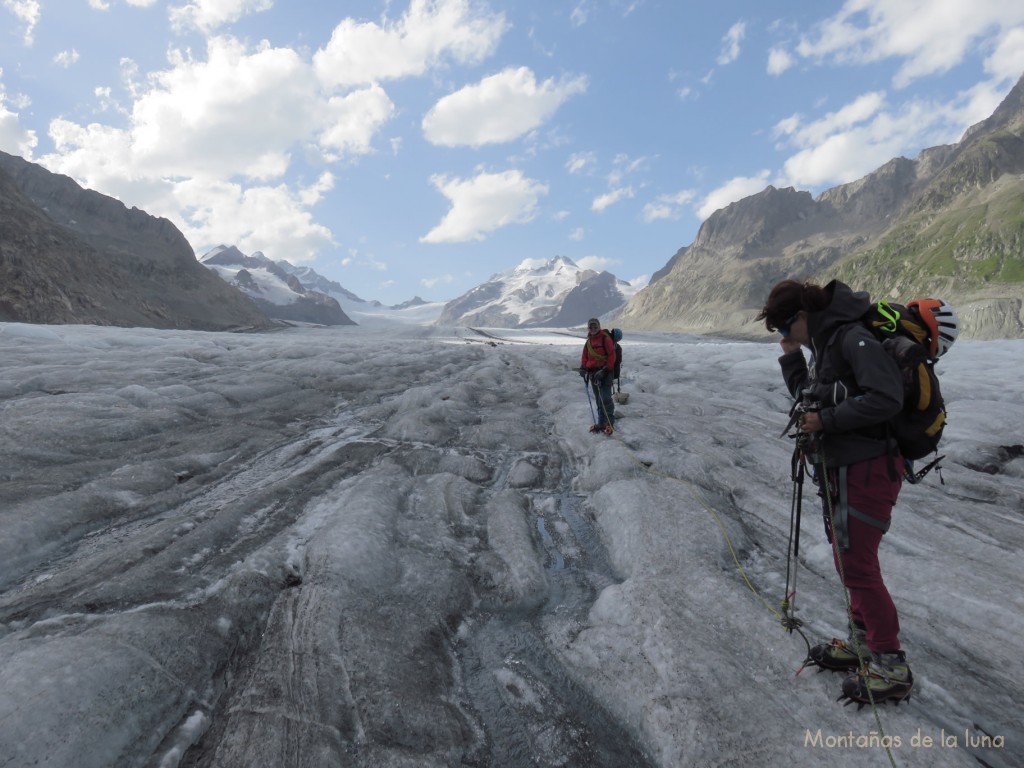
(841, 655)
(595, 428)
(886, 676)
(608, 429)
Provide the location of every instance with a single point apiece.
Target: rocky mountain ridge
(72, 255)
(276, 288)
(948, 223)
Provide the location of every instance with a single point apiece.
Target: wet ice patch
(518, 573)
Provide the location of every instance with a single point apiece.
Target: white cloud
(66, 58)
(270, 219)
(103, 5)
(779, 60)
(840, 158)
(484, 203)
(847, 144)
(667, 206)
(204, 140)
(972, 106)
(623, 166)
(235, 114)
(15, 139)
(601, 202)
(364, 53)
(579, 161)
(638, 282)
(105, 101)
(27, 12)
(499, 108)
(207, 15)
(930, 36)
(315, 192)
(733, 190)
(577, 234)
(355, 118)
(596, 263)
(433, 282)
(368, 261)
(579, 14)
(731, 43)
(1007, 60)
(858, 111)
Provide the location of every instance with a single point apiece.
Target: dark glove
(583, 372)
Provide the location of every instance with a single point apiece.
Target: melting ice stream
(404, 548)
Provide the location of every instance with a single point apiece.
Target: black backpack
(918, 427)
(616, 334)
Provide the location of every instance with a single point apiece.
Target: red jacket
(599, 352)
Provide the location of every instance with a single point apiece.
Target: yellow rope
(725, 534)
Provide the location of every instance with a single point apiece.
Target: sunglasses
(784, 328)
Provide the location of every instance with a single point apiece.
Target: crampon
(835, 656)
(877, 683)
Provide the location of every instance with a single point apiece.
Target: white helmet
(942, 322)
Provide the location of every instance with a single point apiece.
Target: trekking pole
(789, 620)
(600, 401)
(586, 386)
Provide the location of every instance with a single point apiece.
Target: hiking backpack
(918, 427)
(616, 334)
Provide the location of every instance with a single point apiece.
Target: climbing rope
(600, 400)
(789, 622)
(725, 534)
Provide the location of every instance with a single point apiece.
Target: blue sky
(416, 148)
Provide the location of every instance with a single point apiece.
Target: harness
(844, 512)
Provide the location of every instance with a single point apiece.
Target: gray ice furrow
(528, 704)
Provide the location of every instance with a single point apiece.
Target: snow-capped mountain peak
(547, 266)
(538, 293)
(278, 292)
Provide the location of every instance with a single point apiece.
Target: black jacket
(857, 383)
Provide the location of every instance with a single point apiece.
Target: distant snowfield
(369, 316)
(270, 287)
(402, 547)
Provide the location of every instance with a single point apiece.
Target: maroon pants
(871, 491)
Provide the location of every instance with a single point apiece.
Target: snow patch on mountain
(278, 292)
(539, 293)
(364, 312)
(257, 283)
